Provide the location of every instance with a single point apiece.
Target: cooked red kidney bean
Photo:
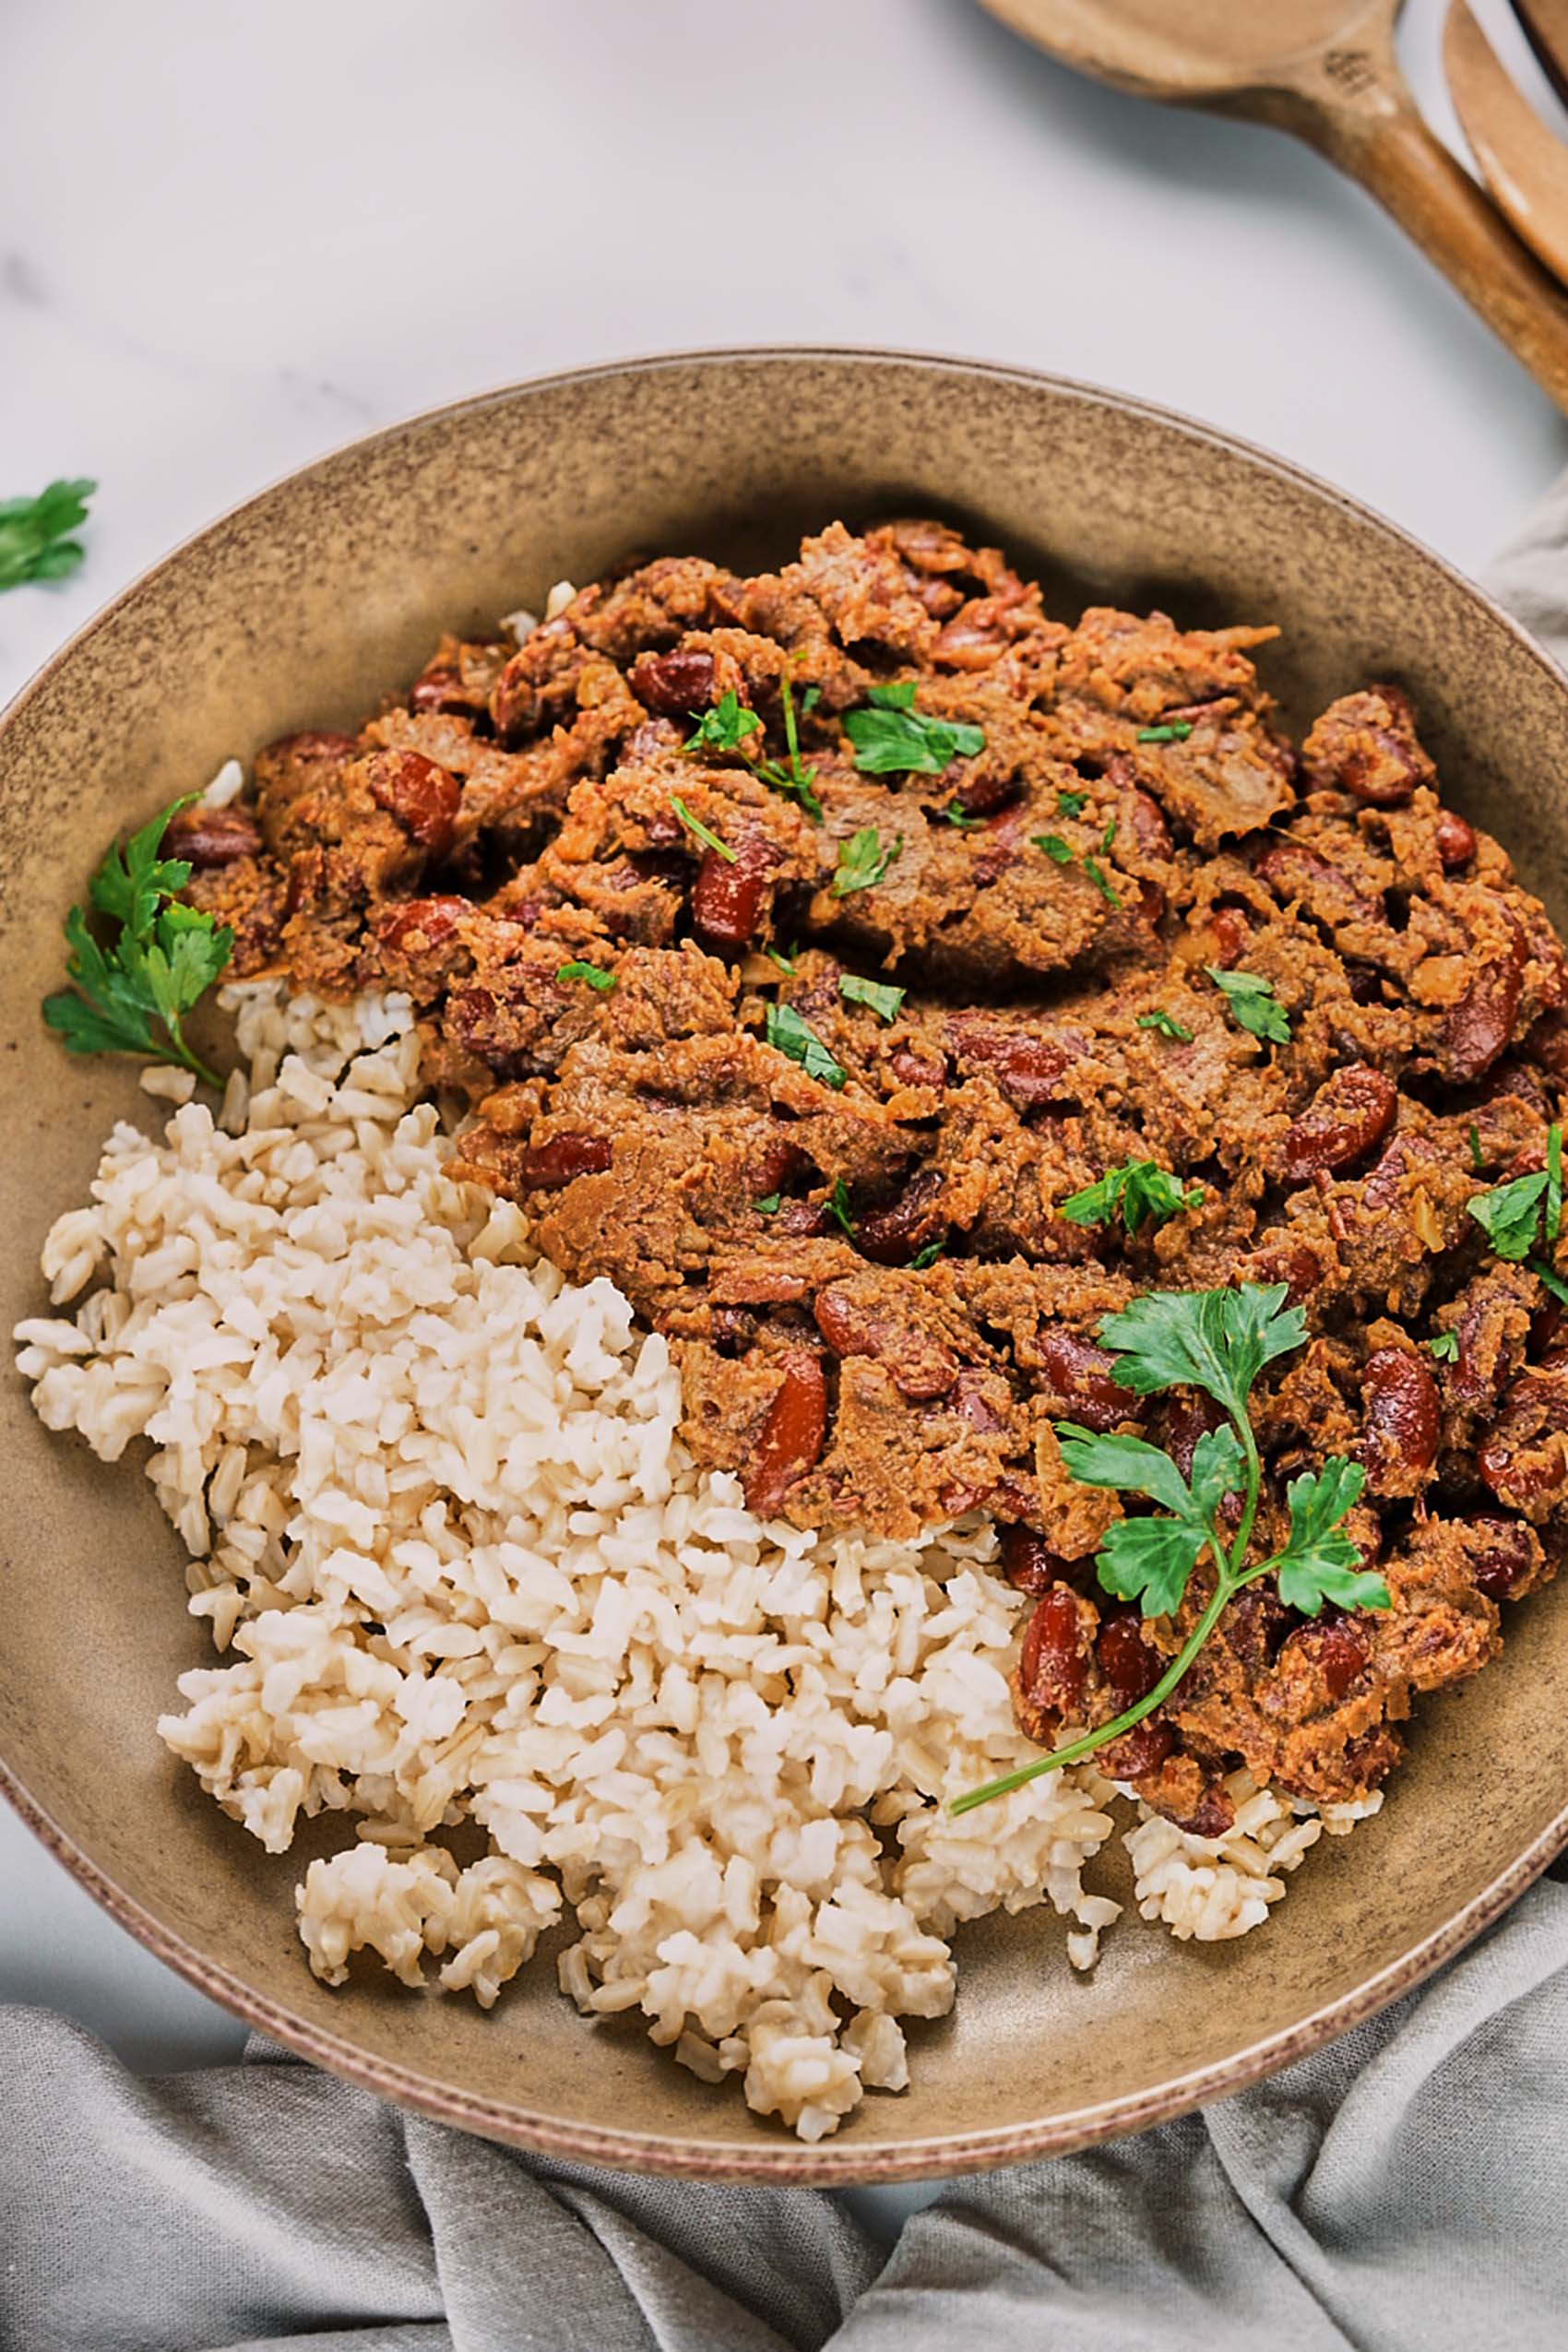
(1338, 1646)
(791, 1434)
(211, 837)
(1213, 1814)
(562, 1158)
(920, 1367)
(1146, 823)
(1140, 1752)
(438, 688)
(915, 1071)
(1125, 1659)
(325, 744)
(674, 685)
(1294, 871)
(428, 921)
(778, 1163)
(1029, 1561)
(891, 1236)
(1455, 840)
(423, 797)
(1506, 1553)
(1477, 1028)
(1052, 1669)
(1028, 1069)
(727, 895)
(1351, 1110)
(1231, 931)
(1080, 1373)
(1285, 1262)
(983, 795)
(1524, 1460)
(1548, 1042)
(1399, 1423)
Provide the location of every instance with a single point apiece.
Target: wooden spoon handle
(1375, 134)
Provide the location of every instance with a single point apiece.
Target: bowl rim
(778, 2160)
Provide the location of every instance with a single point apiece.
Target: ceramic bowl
(301, 609)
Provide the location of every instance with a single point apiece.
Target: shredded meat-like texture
(860, 1255)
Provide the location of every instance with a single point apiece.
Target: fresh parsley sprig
(863, 861)
(729, 725)
(1139, 1189)
(163, 957)
(1521, 1216)
(1252, 1004)
(35, 535)
(1217, 1341)
(888, 735)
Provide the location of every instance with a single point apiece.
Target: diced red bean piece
(727, 898)
(1455, 840)
(891, 1236)
(1052, 1669)
(1125, 1659)
(1080, 1373)
(1477, 1028)
(438, 688)
(211, 837)
(1338, 1646)
(674, 685)
(1399, 1426)
(1351, 1110)
(792, 1435)
(921, 1368)
(983, 795)
(421, 921)
(1140, 1752)
(1507, 1553)
(1029, 1561)
(423, 797)
(562, 1158)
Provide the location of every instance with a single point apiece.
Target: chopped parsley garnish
(785, 1029)
(776, 955)
(162, 958)
(595, 975)
(1553, 1182)
(725, 726)
(695, 825)
(888, 735)
(1553, 1283)
(1166, 1025)
(768, 1205)
(793, 777)
(1070, 803)
(1054, 845)
(927, 1256)
(1252, 1003)
(1478, 1159)
(863, 861)
(1444, 1345)
(1139, 1189)
(1217, 1341)
(837, 1206)
(957, 813)
(1098, 875)
(879, 994)
(1108, 838)
(35, 545)
(810, 698)
(1177, 731)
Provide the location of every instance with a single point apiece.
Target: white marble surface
(231, 238)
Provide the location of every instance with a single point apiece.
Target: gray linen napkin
(1406, 2188)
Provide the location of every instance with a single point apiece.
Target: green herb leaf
(957, 813)
(725, 726)
(1166, 1025)
(768, 1205)
(888, 735)
(1070, 803)
(1054, 845)
(1215, 1340)
(1149, 1561)
(1102, 880)
(1177, 731)
(1509, 1214)
(1477, 1160)
(810, 698)
(927, 1256)
(35, 542)
(595, 975)
(1552, 1282)
(1252, 1003)
(694, 825)
(1444, 1345)
(1316, 1564)
(1108, 838)
(879, 994)
(863, 861)
(1553, 1182)
(775, 956)
(163, 957)
(793, 779)
(837, 1206)
(1139, 1188)
(785, 1029)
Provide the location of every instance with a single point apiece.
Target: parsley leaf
(785, 1029)
(837, 1206)
(1070, 803)
(1476, 1159)
(35, 542)
(725, 726)
(927, 1256)
(1139, 1188)
(1553, 1181)
(878, 994)
(1252, 1003)
(1444, 1345)
(595, 975)
(768, 1205)
(694, 825)
(1054, 845)
(777, 955)
(957, 813)
(163, 956)
(1177, 731)
(793, 777)
(863, 861)
(1097, 874)
(888, 735)
(1149, 1561)
(1215, 1340)
(1166, 1025)
(1550, 1281)
(1316, 1564)
(1509, 1214)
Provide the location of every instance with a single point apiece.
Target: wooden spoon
(1325, 71)
(1524, 165)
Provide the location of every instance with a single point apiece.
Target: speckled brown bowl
(303, 608)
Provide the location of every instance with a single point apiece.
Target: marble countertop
(235, 238)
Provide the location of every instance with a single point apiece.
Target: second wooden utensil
(1327, 71)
